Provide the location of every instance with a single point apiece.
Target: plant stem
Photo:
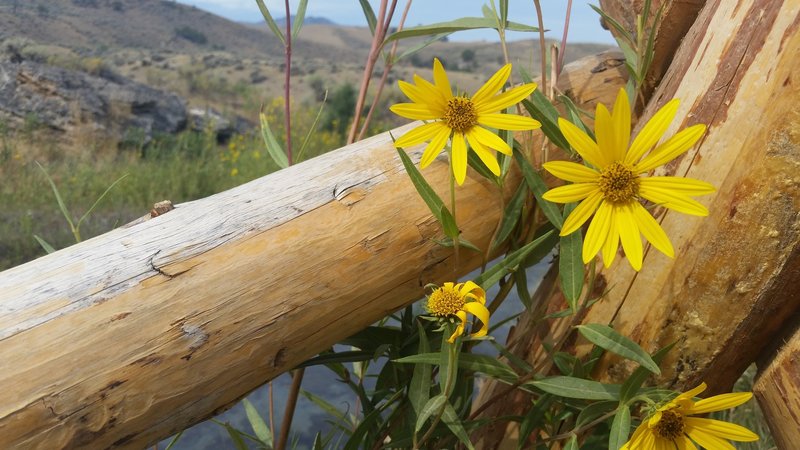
(271, 410)
(291, 403)
(542, 45)
(451, 371)
(453, 210)
(386, 69)
(287, 85)
(563, 48)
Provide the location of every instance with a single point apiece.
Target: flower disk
(462, 119)
(445, 301)
(456, 300)
(619, 183)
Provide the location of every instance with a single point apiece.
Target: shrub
(191, 35)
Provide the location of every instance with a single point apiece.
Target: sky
(584, 23)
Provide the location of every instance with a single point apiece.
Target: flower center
(460, 115)
(445, 301)
(619, 183)
(670, 426)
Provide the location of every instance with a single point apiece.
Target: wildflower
(462, 119)
(670, 425)
(612, 187)
(458, 300)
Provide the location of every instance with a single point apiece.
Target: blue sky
(584, 23)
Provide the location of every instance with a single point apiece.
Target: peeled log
(129, 337)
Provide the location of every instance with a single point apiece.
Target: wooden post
(129, 337)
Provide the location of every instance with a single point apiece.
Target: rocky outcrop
(65, 100)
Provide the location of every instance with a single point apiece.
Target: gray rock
(201, 119)
(63, 99)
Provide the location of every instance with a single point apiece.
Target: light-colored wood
(128, 337)
(777, 389)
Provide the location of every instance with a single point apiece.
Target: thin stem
(453, 210)
(271, 410)
(287, 85)
(291, 403)
(542, 45)
(563, 49)
(386, 69)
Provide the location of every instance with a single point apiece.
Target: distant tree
(191, 35)
(468, 55)
(341, 105)
(317, 85)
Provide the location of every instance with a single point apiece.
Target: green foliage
(191, 35)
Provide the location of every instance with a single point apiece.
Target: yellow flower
(670, 425)
(612, 187)
(459, 118)
(458, 300)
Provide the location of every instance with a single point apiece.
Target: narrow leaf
(273, 147)
(540, 108)
(474, 363)
(299, 17)
(511, 215)
(495, 273)
(572, 443)
(47, 247)
(424, 189)
(605, 337)
(420, 386)
(620, 428)
(311, 130)
(369, 14)
(538, 187)
(174, 440)
(260, 427)
(631, 386)
(570, 265)
(99, 199)
(433, 406)
(571, 387)
(575, 115)
(593, 411)
(451, 419)
(276, 30)
(59, 200)
(448, 223)
(464, 23)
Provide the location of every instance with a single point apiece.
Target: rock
(65, 100)
(201, 119)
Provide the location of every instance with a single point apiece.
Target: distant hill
(307, 20)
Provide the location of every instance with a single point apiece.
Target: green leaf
(415, 48)
(312, 129)
(503, 12)
(448, 223)
(570, 264)
(299, 16)
(59, 200)
(572, 443)
(270, 21)
(420, 386)
(565, 362)
(451, 419)
(593, 411)
(424, 189)
(495, 273)
(540, 108)
(432, 406)
(575, 115)
(174, 440)
(324, 405)
(464, 23)
(511, 216)
(533, 419)
(273, 147)
(605, 337)
(338, 357)
(612, 22)
(475, 162)
(475, 363)
(317, 445)
(571, 387)
(47, 247)
(631, 386)
(235, 435)
(260, 427)
(521, 284)
(620, 428)
(463, 243)
(99, 199)
(369, 14)
(538, 187)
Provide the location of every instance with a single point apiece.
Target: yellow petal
(509, 98)
(440, 79)
(629, 235)
(508, 122)
(479, 311)
(708, 440)
(598, 231)
(652, 132)
(570, 193)
(604, 132)
(486, 155)
(621, 122)
(582, 144)
(611, 244)
(459, 158)
(491, 140)
(672, 200)
(434, 147)
(470, 287)
(413, 111)
(690, 394)
(672, 148)
(436, 101)
(494, 84)
(720, 402)
(569, 171)
(635, 441)
(652, 231)
(419, 134)
(721, 429)
(460, 328)
(581, 213)
(680, 185)
(412, 92)
(684, 443)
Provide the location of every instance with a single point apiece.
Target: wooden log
(676, 18)
(129, 337)
(777, 389)
(732, 286)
